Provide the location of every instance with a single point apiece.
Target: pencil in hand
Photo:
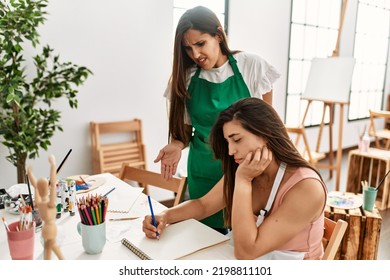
(153, 218)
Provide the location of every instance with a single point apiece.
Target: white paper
(176, 241)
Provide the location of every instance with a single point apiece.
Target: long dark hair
(261, 119)
(205, 21)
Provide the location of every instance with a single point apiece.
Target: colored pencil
(83, 217)
(87, 215)
(97, 214)
(100, 212)
(153, 218)
(103, 209)
(124, 219)
(93, 215)
(109, 192)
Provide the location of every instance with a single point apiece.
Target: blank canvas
(330, 79)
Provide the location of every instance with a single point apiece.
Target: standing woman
(206, 78)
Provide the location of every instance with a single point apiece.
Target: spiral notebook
(177, 240)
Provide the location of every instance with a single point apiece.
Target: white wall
(128, 46)
(263, 27)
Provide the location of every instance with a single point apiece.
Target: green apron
(206, 102)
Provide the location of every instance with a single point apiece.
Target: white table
(70, 240)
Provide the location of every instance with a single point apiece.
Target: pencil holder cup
(93, 237)
(21, 243)
(369, 197)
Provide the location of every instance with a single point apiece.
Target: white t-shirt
(258, 75)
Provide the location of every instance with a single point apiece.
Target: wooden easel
(331, 107)
(313, 158)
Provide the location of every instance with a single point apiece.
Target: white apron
(277, 254)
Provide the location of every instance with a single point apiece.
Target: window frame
(362, 99)
(314, 115)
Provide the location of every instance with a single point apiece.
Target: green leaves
(20, 19)
(58, 80)
(27, 120)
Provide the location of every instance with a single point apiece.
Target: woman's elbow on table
(244, 253)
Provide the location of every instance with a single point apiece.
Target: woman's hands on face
(254, 163)
(150, 230)
(169, 157)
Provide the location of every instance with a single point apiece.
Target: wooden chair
(113, 143)
(145, 177)
(380, 134)
(333, 234)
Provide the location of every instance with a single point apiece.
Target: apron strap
(197, 73)
(233, 64)
(275, 187)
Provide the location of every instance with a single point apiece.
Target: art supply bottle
(72, 198)
(59, 206)
(365, 142)
(58, 201)
(64, 194)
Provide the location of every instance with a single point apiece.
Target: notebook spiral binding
(135, 250)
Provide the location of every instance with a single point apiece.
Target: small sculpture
(46, 204)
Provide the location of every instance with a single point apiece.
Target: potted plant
(27, 118)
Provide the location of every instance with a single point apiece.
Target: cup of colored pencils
(92, 228)
(92, 209)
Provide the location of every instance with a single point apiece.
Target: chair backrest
(333, 235)
(145, 177)
(381, 133)
(123, 143)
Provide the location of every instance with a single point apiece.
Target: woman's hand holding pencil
(152, 231)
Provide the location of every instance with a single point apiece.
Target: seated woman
(273, 200)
